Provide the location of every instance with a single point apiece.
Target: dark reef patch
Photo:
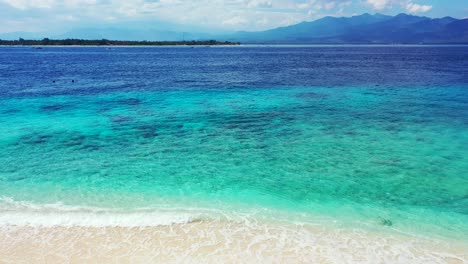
(34, 139)
(120, 119)
(78, 141)
(64, 139)
(53, 107)
(129, 101)
(258, 128)
(74, 140)
(11, 111)
(147, 131)
(90, 147)
(311, 95)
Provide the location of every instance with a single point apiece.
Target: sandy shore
(219, 242)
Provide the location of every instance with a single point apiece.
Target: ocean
(324, 154)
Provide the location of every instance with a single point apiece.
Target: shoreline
(208, 241)
(253, 45)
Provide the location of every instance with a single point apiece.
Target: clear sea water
(365, 136)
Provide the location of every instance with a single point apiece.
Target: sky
(202, 15)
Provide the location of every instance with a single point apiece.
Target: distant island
(106, 42)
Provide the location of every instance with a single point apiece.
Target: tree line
(106, 42)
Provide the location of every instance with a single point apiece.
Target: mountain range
(365, 29)
(362, 29)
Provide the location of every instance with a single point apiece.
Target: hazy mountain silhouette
(362, 29)
(365, 28)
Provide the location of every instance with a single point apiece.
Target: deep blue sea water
(371, 136)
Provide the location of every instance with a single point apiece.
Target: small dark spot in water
(52, 108)
(350, 133)
(311, 95)
(386, 222)
(120, 119)
(130, 101)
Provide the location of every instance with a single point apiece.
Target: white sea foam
(24, 213)
(178, 235)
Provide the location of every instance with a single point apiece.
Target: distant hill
(364, 29)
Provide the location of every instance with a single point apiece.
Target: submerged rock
(74, 140)
(52, 108)
(311, 95)
(120, 119)
(130, 101)
(147, 131)
(90, 147)
(386, 222)
(34, 139)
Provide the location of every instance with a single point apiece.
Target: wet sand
(220, 242)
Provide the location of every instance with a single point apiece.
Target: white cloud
(259, 4)
(408, 5)
(416, 8)
(329, 5)
(379, 4)
(303, 5)
(235, 21)
(25, 4)
(223, 14)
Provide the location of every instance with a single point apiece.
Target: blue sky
(227, 15)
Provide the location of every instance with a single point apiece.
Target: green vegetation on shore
(106, 42)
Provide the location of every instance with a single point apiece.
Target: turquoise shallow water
(383, 157)
(359, 138)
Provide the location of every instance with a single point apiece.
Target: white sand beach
(220, 242)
